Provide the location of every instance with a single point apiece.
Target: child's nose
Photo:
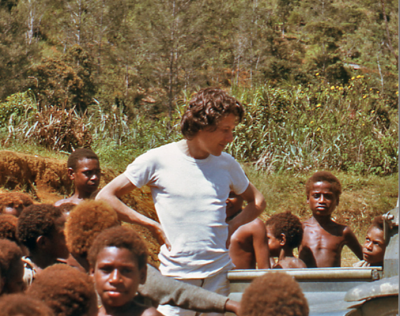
(115, 276)
(368, 245)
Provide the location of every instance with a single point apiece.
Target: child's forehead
(87, 163)
(322, 185)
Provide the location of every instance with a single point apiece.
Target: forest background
(318, 79)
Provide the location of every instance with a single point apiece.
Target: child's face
(274, 244)
(117, 276)
(234, 204)
(374, 246)
(86, 176)
(322, 200)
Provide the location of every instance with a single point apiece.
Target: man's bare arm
(111, 194)
(255, 206)
(352, 242)
(260, 245)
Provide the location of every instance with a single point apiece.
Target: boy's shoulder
(248, 230)
(71, 200)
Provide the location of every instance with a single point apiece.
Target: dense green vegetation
(318, 78)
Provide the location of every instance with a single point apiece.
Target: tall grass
(295, 128)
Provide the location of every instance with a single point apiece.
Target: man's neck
(191, 149)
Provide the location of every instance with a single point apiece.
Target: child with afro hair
(11, 267)
(374, 246)
(23, 305)
(118, 261)
(41, 229)
(274, 294)
(323, 238)
(284, 233)
(67, 291)
(84, 223)
(84, 170)
(14, 202)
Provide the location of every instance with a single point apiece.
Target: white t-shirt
(190, 199)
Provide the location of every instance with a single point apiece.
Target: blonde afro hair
(85, 222)
(274, 294)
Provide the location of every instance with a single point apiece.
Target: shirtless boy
(323, 239)
(84, 170)
(374, 246)
(284, 233)
(249, 244)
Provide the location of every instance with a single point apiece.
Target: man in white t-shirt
(190, 181)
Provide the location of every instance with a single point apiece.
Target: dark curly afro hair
(78, 154)
(23, 305)
(14, 199)
(274, 294)
(377, 222)
(288, 224)
(120, 237)
(8, 227)
(66, 290)
(207, 108)
(324, 176)
(37, 220)
(10, 253)
(85, 222)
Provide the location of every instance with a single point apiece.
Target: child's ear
(71, 174)
(282, 239)
(40, 241)
(143, 274)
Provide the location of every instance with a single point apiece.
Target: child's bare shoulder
(64, 201)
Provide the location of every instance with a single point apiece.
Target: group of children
(55, 258)
(319, 239)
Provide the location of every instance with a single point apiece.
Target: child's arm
(260, 244)
(352, 242)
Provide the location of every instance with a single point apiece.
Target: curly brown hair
(288, 224)
(324, 176)
(66, 290)
(8, 227)
(14, 199)
(207, 108)
(274, 294)
(377, 222)
(9, 254)
(78, 154)
(23, 305)
(120, 237)
(85, 222)
(37, 220)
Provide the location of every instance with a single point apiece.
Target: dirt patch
(46, 181)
